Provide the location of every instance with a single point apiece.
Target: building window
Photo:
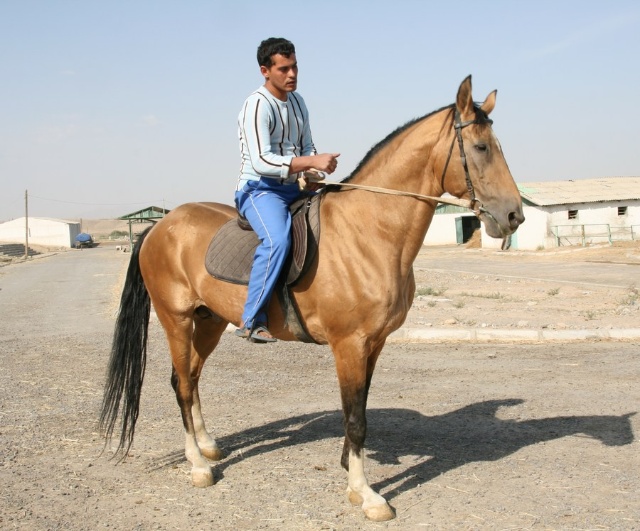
(572, 214)
(622, 211)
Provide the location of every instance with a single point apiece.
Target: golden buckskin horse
(358, 290)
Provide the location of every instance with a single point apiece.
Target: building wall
(528, 236)
(442, 230)
(538, 232)
(531, 235)
(594, 222)
(46, 232)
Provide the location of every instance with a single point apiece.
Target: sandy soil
(567, 288)
(461, 435)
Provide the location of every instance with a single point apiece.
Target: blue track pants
(265, 204)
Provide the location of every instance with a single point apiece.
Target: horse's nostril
(515, 220)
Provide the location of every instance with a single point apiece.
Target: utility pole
(26, 224)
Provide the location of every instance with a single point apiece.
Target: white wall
(442, 230)
(537, 230)
(45, 232)
(595, 217)
(531, 235)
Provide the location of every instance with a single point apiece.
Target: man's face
(282, 75)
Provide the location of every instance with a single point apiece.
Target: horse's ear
(464, 101)
(490, 103)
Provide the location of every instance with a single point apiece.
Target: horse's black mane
(480, 116)
(376, 148)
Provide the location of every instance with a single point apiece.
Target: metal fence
(593, 233)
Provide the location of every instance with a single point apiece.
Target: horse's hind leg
(207, 332)
(187, 365)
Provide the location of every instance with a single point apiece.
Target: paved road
(65, 293)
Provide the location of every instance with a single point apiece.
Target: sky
(110, 106)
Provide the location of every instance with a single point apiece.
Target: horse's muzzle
(500, 225)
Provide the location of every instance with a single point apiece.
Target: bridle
(458, 126)
(473, 203)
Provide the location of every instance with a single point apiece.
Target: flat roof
(152, 212)
(581, 191)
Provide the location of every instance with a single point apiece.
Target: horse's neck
(404, 164)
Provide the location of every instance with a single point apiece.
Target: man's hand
(326, 162)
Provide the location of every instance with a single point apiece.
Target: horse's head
(476, 168)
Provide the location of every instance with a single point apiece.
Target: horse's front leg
(354, 376)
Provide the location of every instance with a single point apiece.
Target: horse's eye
(481, 147)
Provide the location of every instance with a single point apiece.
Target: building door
(465, 227)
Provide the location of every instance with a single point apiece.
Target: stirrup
(243, 332)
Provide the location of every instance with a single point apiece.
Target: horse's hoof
(379, 513)
(354, 497)
(215, 454)
(202, 478)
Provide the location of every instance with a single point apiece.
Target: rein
(465, 203)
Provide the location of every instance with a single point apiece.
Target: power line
(94, 204)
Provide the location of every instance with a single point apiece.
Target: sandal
(260, 334)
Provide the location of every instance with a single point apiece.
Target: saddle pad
(230, 253)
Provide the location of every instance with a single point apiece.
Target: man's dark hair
(273, 46)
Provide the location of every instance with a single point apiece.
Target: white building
(53, 233)
(558, 213)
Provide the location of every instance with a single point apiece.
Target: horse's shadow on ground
(436, 444)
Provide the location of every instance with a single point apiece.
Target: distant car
(84, 240)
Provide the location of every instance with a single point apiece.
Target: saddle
(230, 255)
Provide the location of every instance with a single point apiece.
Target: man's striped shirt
(271, 133)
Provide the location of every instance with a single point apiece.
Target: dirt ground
(566, 288)
(461, 435)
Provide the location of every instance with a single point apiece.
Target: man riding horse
(276, 148)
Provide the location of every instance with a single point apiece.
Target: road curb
(507, 335)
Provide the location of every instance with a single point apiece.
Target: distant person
(276, 147)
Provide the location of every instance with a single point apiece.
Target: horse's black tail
(125, 373)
